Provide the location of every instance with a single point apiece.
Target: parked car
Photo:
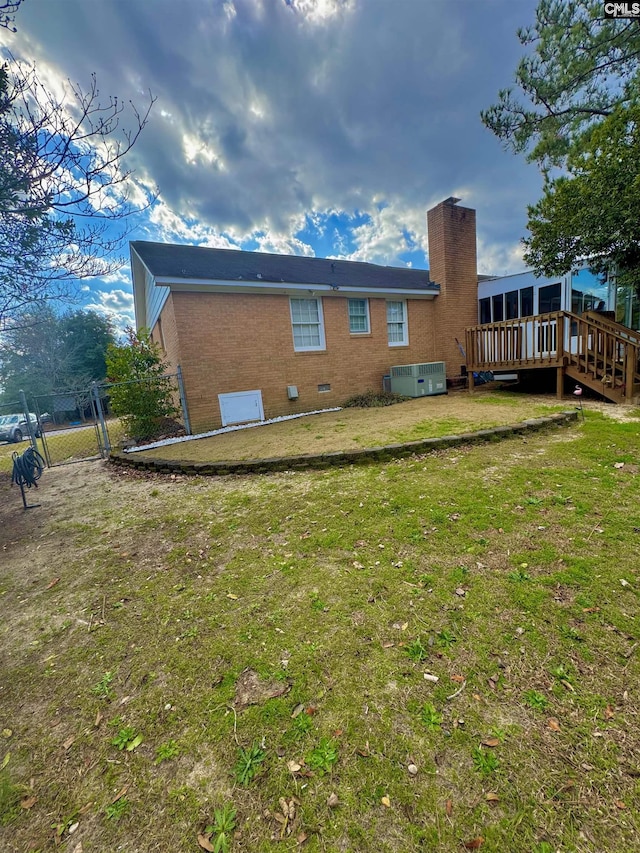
(14, 427)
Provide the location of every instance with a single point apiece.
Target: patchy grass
(64, 446)
(353, 428)
(132, 605)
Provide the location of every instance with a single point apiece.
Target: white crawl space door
(240, 407)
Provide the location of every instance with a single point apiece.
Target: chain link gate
(67, 425)
(77, 424)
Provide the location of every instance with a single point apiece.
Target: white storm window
(359, 316)
(397, 332)
(307, 324)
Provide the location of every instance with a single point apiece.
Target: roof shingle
(175, 261)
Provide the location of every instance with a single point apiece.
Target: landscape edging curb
(347, 457)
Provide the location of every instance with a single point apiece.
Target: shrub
(143, 397)
(372, 400)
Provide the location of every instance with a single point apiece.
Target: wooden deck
(593, 350)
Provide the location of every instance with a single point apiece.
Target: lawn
(64, 445)
(437, 653)
(353, 429)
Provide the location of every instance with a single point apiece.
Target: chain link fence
(148, 409)
(67, 425)
(14, 431)
(75, 424)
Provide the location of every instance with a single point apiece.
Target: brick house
(262, 335)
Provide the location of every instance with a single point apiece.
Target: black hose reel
(27, 470)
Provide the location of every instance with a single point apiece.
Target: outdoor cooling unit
(419, 380)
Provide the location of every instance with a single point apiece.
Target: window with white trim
(397, 332)
(359, 316)
(307, 324)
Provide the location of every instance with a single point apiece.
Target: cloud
(271, 113)
(116, 304)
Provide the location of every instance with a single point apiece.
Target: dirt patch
(251, 689)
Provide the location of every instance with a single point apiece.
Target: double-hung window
(359, 316)
(307, 324)
(397, 331)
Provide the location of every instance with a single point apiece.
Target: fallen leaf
(28, 802)
(386, 802)
(6, 732)
(302, 837)
(448, 807)
(293, 766)
(311, 710)
(553, 724)
(618, 803)
(461, 592)
(297, 710)
(120, 794)
(232, 596)
(457, 678)
(609, 713)
(333, 801)
(591, 610)
(52, 583)
(280, 817)
(491, 797)
(491, 741)
(204, 842)
(68, 742)
(474, 843)
(388, 645)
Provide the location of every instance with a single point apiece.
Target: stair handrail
(605, 323)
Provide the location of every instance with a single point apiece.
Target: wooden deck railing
(591, 348)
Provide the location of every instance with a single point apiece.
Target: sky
(316, 127)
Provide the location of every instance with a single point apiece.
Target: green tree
(594, 211)
(575, 106)
(144, 397)
(577, 70)
(47, 351)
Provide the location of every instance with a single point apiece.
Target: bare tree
(8, 9)
(63, 184)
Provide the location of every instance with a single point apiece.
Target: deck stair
(591, 349)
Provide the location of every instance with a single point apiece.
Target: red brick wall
(243, 342)
(453, 265)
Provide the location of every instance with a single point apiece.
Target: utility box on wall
(419, 380)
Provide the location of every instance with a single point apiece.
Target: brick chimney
(453, 265)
